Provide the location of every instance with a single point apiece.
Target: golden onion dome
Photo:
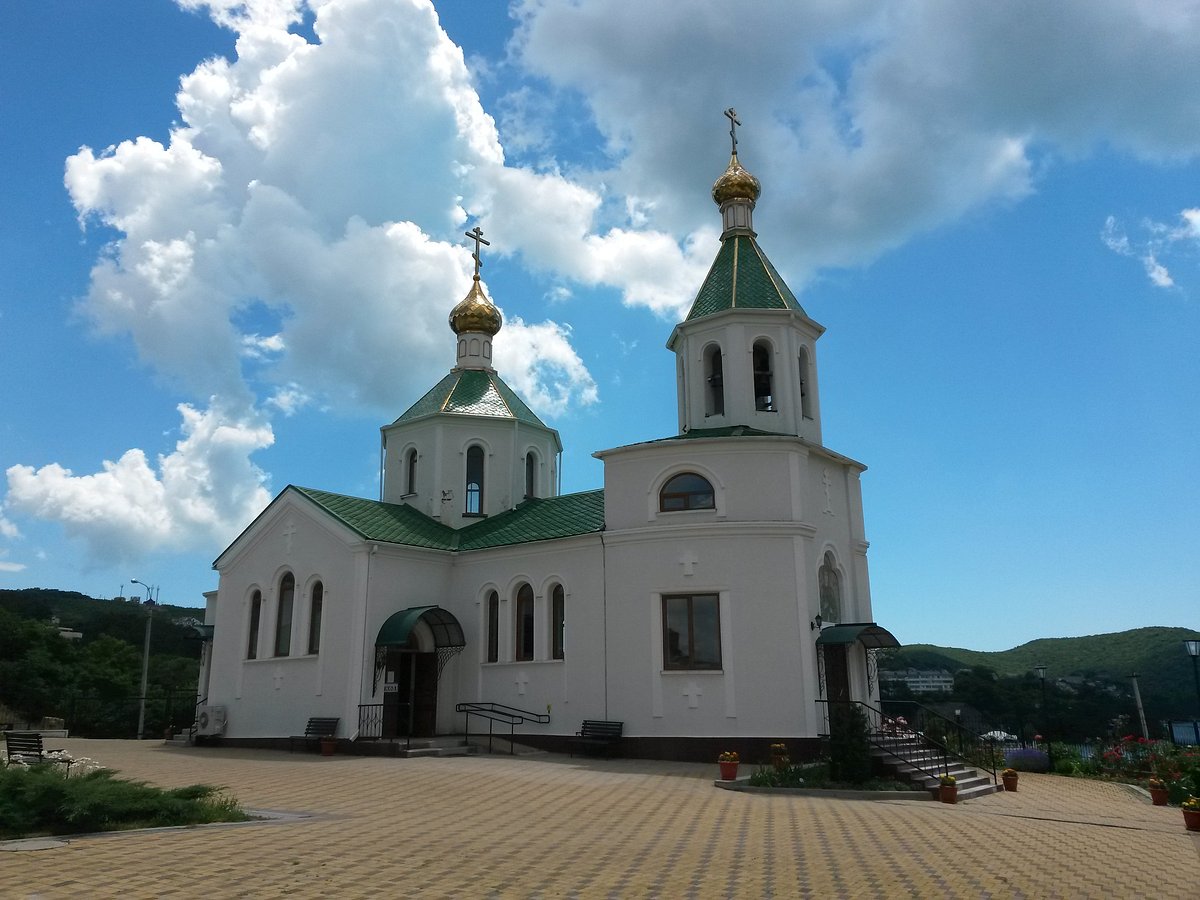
(476, 313)
(736, 184)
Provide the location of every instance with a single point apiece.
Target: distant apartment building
(920, 681)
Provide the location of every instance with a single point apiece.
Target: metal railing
(498, 712)
(962, 742)
(370, 722)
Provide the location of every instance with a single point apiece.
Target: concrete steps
(911, 760)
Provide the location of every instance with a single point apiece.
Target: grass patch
(817, 777)
(42, 799)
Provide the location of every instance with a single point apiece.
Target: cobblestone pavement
(548, 826)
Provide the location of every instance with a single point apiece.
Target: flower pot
(1010, 782)
(328, 745)
(728, 770)
(1158, 796)
(948, 793)
(1191, 819)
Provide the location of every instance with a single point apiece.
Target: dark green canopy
(446, 630)
(869, 634)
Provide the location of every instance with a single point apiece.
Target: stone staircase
(915, 761)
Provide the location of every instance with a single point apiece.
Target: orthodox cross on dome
(734, 122)
(477, 236)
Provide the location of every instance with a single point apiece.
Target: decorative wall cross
(693, 694)
(477, 236)
(522, 682)
(688, 560)
(289, 532)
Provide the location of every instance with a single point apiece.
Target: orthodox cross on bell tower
(477, 236)
(734, 122)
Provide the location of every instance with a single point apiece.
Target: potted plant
(328, 745)
(1009, 777)
(1158, 791)
(947, 788)
(728, 761)
(1191, 813)
(779, 757)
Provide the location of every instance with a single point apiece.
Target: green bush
(42, 799)
(849, 744)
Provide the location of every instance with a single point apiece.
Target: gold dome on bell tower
(475, 312)
(736, 184)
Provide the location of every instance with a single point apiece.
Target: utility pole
(1137, 696)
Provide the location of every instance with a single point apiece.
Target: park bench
(27, 747)
(597, 733)
(318, 727)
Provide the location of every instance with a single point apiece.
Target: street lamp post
(1041, 670)
(1193, 650)
(145, 657)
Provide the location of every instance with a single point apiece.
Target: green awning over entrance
(868, 634)
(446, 630)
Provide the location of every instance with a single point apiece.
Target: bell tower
(746, 352)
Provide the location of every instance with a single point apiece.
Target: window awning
(202, 632)
(868, 634)
(446, 630)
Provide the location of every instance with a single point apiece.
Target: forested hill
(1156, 654)
(124, 620)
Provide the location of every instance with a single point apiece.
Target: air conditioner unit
(210, 720)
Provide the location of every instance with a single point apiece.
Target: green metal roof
(397, 523)
(472, 392)
(868, 634)
(399, 625)
(538, 520)
(741, 277)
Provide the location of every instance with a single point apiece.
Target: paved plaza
(550, 826)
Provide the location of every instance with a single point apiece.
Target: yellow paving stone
(545, 826)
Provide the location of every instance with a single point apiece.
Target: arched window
(686, 490)
(493, 627)
(714, 381)
(805, 399)
(283, 616)
(558, 604)
(314, 618)
(410, 471)
(524, 622)
(830, 588)
(255, 619)
(764, 394)
(474, 481)
(530, 474)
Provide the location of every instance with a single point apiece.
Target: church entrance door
(837, 674)
(410, 694)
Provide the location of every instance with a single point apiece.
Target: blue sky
(232, 232)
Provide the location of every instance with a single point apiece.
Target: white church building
(709, 597)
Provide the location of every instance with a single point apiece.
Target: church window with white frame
(558, 603)
(805, 392)
(687, 490)
(764, 386)
(410, 471)
(316, 605)
(255, 621)
(283, 615)
(714, 382)
(691, 631)
(830, 589)
(530, 474)
(474, 505)
(493, 627)
(524, 623)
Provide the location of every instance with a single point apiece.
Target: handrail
(964, 743)
(498, 712)
(890, 736)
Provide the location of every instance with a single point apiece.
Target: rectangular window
(691, 632)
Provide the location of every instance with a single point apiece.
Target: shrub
(849, 745)
(42, 799)
(1027, 759)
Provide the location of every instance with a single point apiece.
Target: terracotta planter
(328, 745)
(728, 770)
(1158, 796)
(948, 793)
(1010, 782)
(1191, 819)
